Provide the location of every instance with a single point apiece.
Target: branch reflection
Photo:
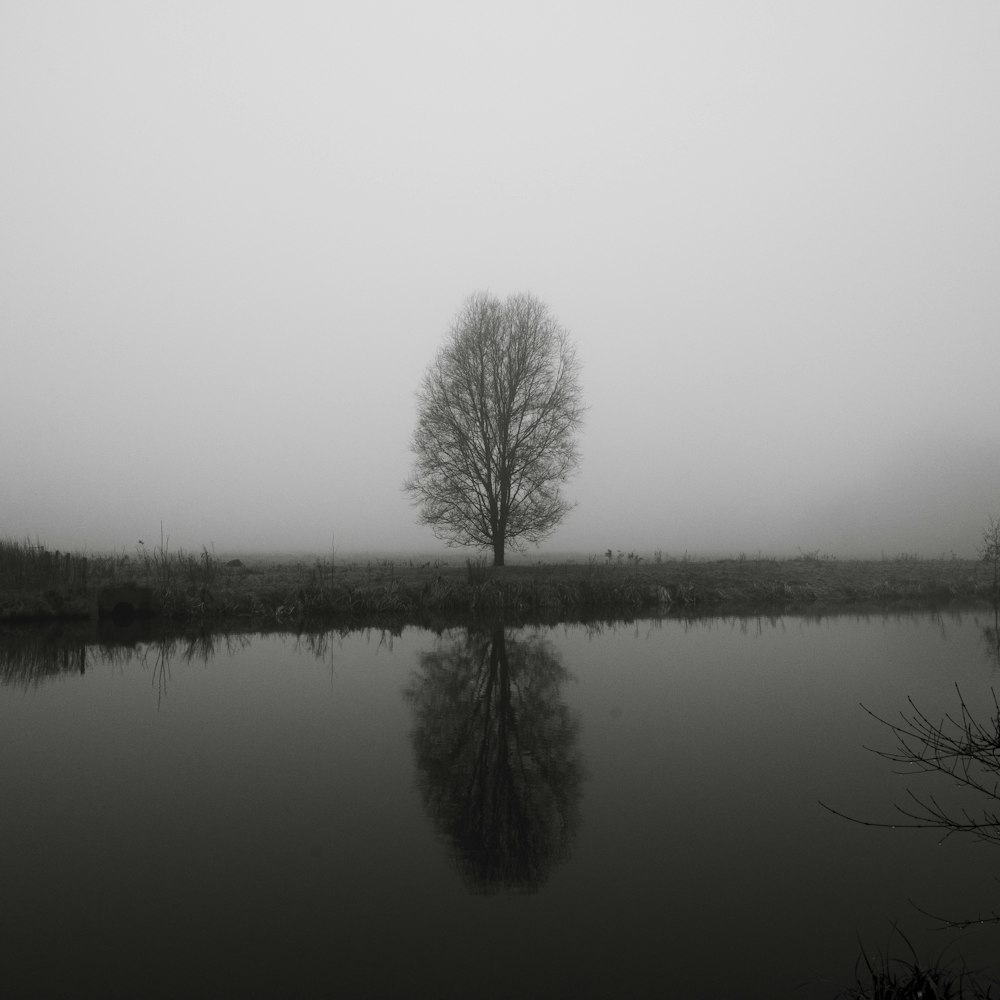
(496, 750)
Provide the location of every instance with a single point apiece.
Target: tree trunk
(497, 551)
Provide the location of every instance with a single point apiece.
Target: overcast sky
(233, 236)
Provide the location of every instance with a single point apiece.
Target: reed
(26, 564)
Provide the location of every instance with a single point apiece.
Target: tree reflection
(991, 637)
(496, 750)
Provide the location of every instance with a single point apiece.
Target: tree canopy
(498, 412)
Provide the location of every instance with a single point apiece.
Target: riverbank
(36, 585)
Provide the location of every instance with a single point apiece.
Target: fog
(233, 236)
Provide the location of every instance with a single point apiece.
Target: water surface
(569, 812)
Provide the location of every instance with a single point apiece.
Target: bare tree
(498, 412)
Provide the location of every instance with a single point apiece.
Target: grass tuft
(879, 977)
(477, 571)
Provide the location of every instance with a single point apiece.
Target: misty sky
(233, 236)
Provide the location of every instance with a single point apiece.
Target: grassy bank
(36, 585)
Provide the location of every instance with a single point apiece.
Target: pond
(626, 810)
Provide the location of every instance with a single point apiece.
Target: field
(38, 585)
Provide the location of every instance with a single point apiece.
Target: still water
(604, 811)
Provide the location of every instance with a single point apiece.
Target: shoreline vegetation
(38, 585)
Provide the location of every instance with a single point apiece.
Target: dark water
(571, 812)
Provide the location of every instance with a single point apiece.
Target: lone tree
(498, 411)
